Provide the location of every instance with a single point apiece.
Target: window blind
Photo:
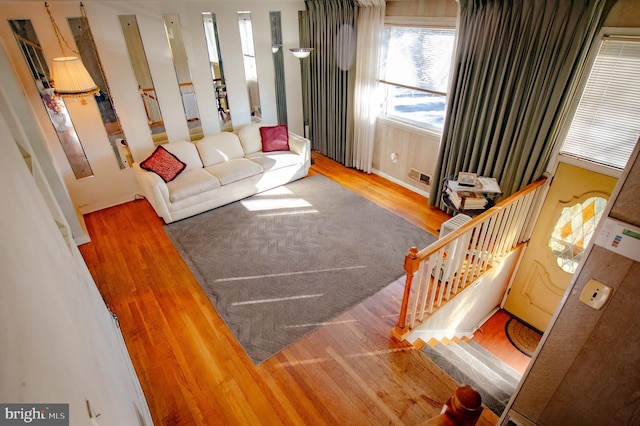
(606, 125)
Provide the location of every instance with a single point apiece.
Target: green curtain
(332, 26)
(517, 65)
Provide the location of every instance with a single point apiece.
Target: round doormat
(523, 337)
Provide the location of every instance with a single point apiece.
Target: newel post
(411, 265)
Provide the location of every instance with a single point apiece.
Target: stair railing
(455, 261)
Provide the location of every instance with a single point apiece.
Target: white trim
(406, 126)
(104, 204)
(619, 31)
(556, 156)
(82, 239)
(588, 165)
(422, 21)
(401, 183)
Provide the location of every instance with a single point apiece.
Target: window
(606, 125)
(414, 74)
(574, 230)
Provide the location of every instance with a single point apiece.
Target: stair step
(469, 363)
(486, 371)
(432, 342)
(495, 403)
(497, 364)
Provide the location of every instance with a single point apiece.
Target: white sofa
(221, 169)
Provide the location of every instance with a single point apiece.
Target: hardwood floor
(192, 370)
(491, 336)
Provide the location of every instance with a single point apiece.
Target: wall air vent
(417, 175)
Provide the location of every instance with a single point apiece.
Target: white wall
(59, 343)
(111, 185)
(463, 314)
(412, 148)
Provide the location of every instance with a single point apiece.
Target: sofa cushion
(233, 170)
(164, 164)
(275, 138)
(250, 137)
(219, 148)
(275, 160)
(191, 183)
(186, 152)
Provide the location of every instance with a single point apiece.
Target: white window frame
(559, 157)
(435, 23)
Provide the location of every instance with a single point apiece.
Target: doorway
(567, 221)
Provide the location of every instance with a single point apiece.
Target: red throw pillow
(164, 164)
(275, 138)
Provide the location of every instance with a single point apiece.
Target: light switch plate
(595, 294)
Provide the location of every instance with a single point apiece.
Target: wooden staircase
(457, 262)
(468, 363)
(433, 342)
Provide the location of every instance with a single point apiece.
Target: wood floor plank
(492, 337)
(193, 371)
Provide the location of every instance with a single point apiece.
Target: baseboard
(89, 208)
(82, 239)
(401, 183)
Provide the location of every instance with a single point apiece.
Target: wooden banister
(495, 233)
(411, 265)
(447, 239)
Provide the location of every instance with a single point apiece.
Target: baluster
(424, 286)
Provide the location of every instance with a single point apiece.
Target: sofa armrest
(301, 146)
(154, 189)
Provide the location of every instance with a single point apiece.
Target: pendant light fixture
(301, 52)
(69, 75)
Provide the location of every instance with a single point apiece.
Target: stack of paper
(475, 197)
(467, 200)
(483, 184)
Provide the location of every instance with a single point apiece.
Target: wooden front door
(567, 219)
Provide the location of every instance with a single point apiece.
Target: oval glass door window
(573, 231)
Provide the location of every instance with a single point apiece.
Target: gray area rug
(281, 263)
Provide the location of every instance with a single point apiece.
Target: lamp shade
(71, 78)
(301, 52)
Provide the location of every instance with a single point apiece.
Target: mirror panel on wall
(89, 55)
(250, 70)
(54, 105)
(138, 58)
(185, 83)
(278, 66)
(217, 70)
